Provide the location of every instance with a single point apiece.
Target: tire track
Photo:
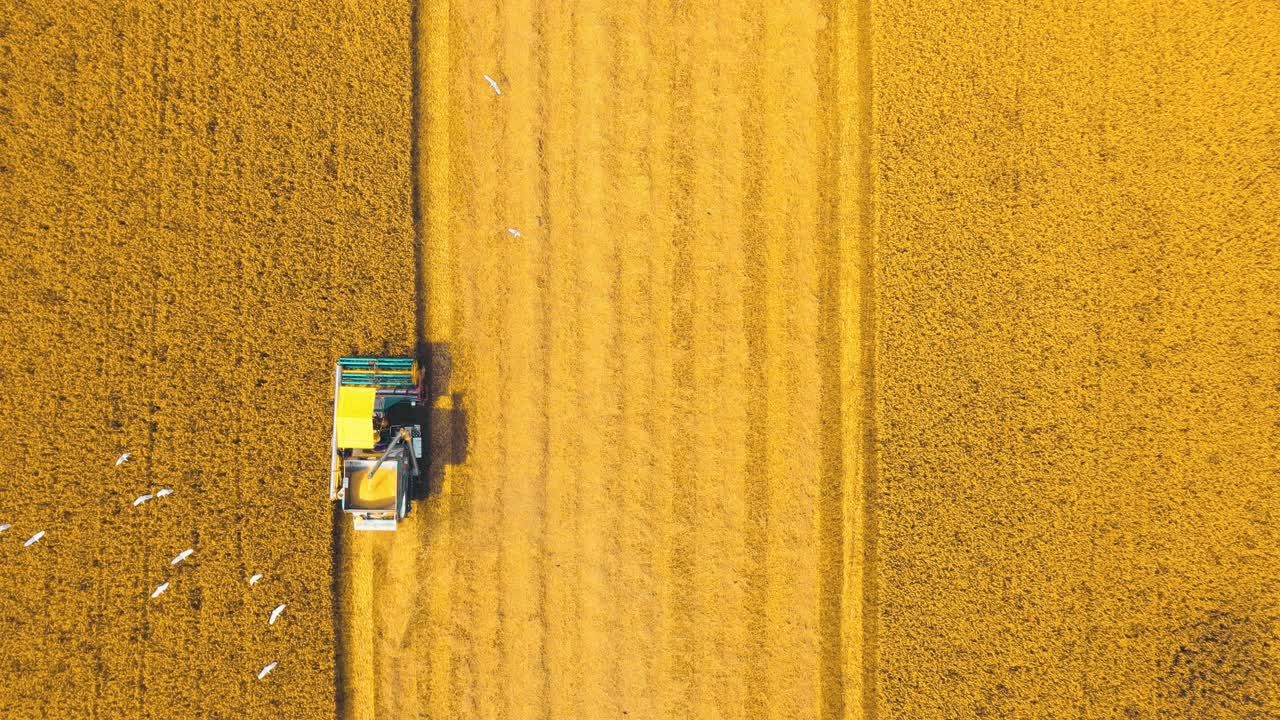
(792, 609)
(634, 505)
(564, 426)
(660, 223)
(708, 421)
(545, 271)
(731, 68)
(756, 307)
(595, 339)
(462, 107)
(496, 282)
(478, 223)
(357, 665)
(684, 513)
(777, 604)
(802, 496)
(522, 504)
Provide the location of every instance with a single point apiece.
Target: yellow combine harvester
(377, 439)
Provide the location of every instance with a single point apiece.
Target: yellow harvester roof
(354, 427)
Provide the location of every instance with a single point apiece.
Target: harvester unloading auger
(377, 438)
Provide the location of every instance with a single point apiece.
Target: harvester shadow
(446, 420)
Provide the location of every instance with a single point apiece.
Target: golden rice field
(829, 359)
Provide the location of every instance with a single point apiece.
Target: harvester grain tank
(377, 439)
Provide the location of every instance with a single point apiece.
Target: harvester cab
(377, 439)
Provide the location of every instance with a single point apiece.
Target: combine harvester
(377, 439)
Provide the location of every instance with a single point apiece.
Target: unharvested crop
(197, 203)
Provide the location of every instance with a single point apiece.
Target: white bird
(275, 614)
(514, 232)
(163, 492)
(182, 556)
(254, 580)
(5, 526)
(264, 671)
(121, 460)
(493, 85)
(141, 499)
(156, 593)
(33, 539)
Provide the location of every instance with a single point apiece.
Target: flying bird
(514, 232)
(141, 499)
(254, 580)
(5, 526)
(163, 492)
(33, 539)
(493, 85)
(182, 556)
(266, 670)
(275, 614)
(121, 460)
(156, 593)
